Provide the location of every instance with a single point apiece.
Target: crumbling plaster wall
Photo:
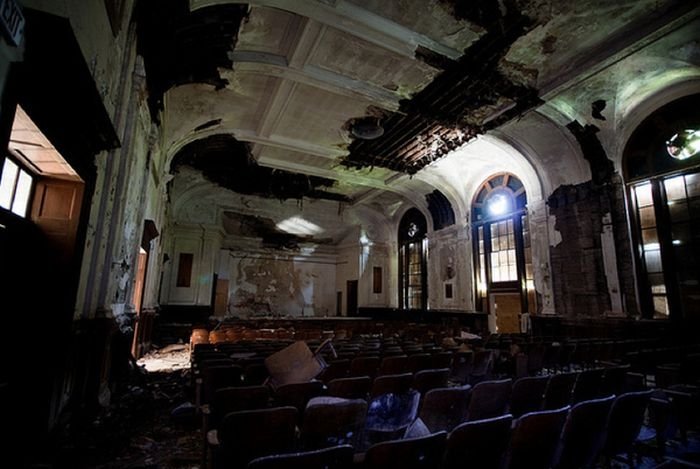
(449, 266)
(274, 284)
(116, 208)
(155, 208)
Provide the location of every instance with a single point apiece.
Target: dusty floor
(151, 426)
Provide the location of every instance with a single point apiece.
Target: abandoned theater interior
(379, 233)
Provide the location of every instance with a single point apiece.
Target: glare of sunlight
(299, 226)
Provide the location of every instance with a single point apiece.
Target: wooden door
(221, 297)
(140, 280)
(507, 307)
(56, 210)
(352, 297)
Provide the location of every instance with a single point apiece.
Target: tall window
(662, 168)
(667, 211)
(412, 261)
(502, 244)
(15, 188)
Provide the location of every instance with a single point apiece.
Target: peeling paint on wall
(274, 286)
(554, 234)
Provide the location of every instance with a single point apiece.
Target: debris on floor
(150, 426)
(171, 357)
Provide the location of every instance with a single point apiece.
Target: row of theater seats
(514, 354)
(381, 433)
(440, 409)
(443, 406)
(230, 333)
(359, 361)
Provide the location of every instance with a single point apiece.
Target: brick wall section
(578, 273)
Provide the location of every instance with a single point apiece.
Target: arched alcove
(413, 279)
(502, 250)
(661, 163)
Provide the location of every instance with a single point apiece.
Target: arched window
(413, 288)
(662, 171)
(503, 259)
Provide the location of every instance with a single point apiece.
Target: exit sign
(12, 21)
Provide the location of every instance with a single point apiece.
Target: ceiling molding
(275, 65)
(355, 20)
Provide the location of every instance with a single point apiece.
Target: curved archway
(460, 174)
(664, 195)
(502, 252)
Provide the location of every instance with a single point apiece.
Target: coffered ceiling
(295, 85)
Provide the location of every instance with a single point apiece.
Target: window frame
(664, 233)
(484, 285)
(418, 240)
(23, 167)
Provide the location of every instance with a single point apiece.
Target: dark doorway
(352, 297)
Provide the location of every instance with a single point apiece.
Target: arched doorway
(502, 253)
(413, 282)
(662, 172)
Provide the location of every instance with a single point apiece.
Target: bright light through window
(684, 144)
(299, 226)
(15, 188)
(498, 205)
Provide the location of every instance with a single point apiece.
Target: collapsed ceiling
(336, 99)
(227, 162)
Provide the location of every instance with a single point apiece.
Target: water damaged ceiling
(227, 162)
(338, 99)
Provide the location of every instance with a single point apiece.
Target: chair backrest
(396, 384)
(441, 359)
(249, 434)
(482, 364)
(364, 366)
(234, 399)
(255, 374)
(411, 453)
(481, 443)
(393, 365)
(332, 421)
(559, 390)
(389, 415)
(462, 366)
(336, 369)
(418, 361)
(614, 380)
(337, 457)
(583, 433)
(217, 377)
(535, 439)
(624, 421)
(425, 380)
(528, 395)
(489, 399)
(350, 388)
(589, 385)
(298, 394)
(445, 408)
(535, 359)
(550, 359)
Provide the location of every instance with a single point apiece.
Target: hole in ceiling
(227, 162)
(367, 128)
